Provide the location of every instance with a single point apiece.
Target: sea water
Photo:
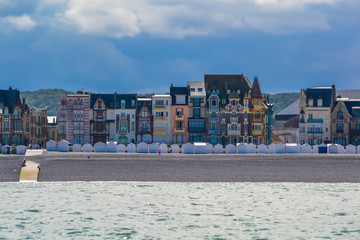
(134, 210)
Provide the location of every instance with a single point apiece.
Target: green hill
(51, 98)
(44, 97)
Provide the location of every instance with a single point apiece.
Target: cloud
(158, 18)
(24, 22)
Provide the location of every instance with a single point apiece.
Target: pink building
(74, 118)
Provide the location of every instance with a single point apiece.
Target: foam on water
(125, 210)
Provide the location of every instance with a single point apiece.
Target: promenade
(57, 166)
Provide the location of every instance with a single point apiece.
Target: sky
(144, 46)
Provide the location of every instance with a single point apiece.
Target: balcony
(214, 119)
(160, 130)
(319, 120)
(99, 117)
(234, 132)
(179, 117)
(214, 132)
(159, 106)
(196, 129)
(315, 133)
(179, 130)
(234, 119)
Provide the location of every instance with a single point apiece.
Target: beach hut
(120, 148)
(333, 148)
(187, 148)
(341, 149)
(131, 148)
(142, 148)
(99, 147)
(315, 149)
(280, 148)
(76, 148)
(209, 148)
(299, 148)
(242, 148)
(163, 148)
(110, 147)
(323, 149)
(251, 148)
(63, 146)
(305, 149)
(218, 148)
(350, 149)
(6, 149)
(230, 149)
(20, 150)
(87, 147)
(51, 145)
(200, 148)
(271, 148)
(175, 148)
(291, 148)
(154, 147)
(358, 149)
(262, 149)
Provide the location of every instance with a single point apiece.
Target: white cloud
(24, 22)
(192, 18)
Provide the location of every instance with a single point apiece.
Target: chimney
(10, 87)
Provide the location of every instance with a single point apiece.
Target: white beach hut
(271, 148)
(142, 148)
(280, 148)
(241, 148)
(99, 147)
(305, 149)
(299, 148)
(63, 146)
(120, 148)
(209, 148)
(341, 149)
(20, 150)
(350, 149)
(251, 148)
(315, 149)
(291, 148)
(76, 148)
(262, 149)
(333, 148)
(163, 148)
(187, 148)
(51, 145)
(110, 147)
(230, 149)
(153, 147)
(87, 147)
(131, 148)
(199, 148)
(175, 148)
(218, 148)
(358, 149)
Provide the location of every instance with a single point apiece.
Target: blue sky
(144, 46)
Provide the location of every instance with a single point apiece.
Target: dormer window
(192, 89)
(310, 102)
(320, 102)
(238, 91)
(228, 91)
(200, 89)
(6, 112)
(340, 114)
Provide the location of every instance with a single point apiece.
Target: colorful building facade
(179, 114)
(144, 121)
(161, 110)
(197, 108)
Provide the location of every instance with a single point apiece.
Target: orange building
(179, 114)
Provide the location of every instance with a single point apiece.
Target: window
(223, 127)
(339, 127)
(215, 83)
(133, 103)
(122, 126)
(159, 102)
(238, 91)
(245, 115)
(111, 115)
(340, 114)
(234, 127)
(228, 91)
(223, 101)
(159, 114)
(213, 126)
(16, 112)
(6, 112)
(245, 103)
(123, 104)
(197, 112)
(356, 112)
(196, 102)
(223, 115)
(320, 102)
(6, 126)
(132, 126)
(310, 102)
(192, 89)
(357, 126)
(200, 89)
(179, 112)
(245, 127)
(310, 116)
(99, 103)
(180, 99)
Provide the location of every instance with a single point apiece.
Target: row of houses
(221, 109)
(21, 124)
(321, 115)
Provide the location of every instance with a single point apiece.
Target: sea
(164, 210)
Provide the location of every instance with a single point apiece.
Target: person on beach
(24, 163)
(39, 167)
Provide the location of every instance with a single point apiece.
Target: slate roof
(8, 99)
(178, 91)
(352, 104)
(234, 95)
(115, 99)
(324, 92)
(292, 109)
(348, 93)
(222, 83)
(140, 103)
(256, 91)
